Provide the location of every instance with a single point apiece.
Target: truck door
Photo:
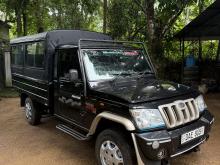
(69, 101)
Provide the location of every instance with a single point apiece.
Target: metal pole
(201, 6)
(218, 65)
(218, 53)
(183, 55)
(200, 59)
(180, 74)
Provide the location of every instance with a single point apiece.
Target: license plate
(192, 135)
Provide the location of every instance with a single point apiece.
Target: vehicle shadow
(81, 151)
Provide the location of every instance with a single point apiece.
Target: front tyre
(113, 148)
(32, 112)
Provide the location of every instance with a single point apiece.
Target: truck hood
(135, 91)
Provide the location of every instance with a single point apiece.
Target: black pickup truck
(107, 90)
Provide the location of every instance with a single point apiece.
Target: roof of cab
(61, 37)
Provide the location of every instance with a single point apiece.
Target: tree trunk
(105, 8)
(18, 21)
(39, 16)
(24, 17)
(59, 19)
(24, 23)
(154, 37)
(150, 19)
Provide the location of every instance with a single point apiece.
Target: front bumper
(170, 140)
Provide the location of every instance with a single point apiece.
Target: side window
(68, 59)
(34, 54)
(17, 56)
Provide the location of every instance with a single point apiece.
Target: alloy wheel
(28, 110)
(110, 154)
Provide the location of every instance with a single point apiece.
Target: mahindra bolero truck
(108, 91)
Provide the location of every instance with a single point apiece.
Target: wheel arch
(106, 117)
(23, 96)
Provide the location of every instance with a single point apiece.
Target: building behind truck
(5, 74)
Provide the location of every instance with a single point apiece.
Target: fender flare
(112, 117)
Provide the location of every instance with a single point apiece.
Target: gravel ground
(22, 144)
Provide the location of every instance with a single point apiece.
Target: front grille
(179, 112)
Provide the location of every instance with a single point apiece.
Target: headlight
(147, 118)
(200, 103)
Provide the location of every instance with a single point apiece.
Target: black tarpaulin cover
(61, 37)
(54, 39)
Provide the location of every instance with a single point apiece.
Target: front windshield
(109, 63)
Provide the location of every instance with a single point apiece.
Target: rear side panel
(35, 88)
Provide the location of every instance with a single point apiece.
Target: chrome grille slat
(191, 109)
(180, 115)
(171, 116)
(174, 115)
(187, 115)
(195, 108)
(165, 115)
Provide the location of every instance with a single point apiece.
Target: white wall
(7, 59)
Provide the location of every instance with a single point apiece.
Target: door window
(68, 59)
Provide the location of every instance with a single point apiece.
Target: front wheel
(32, 112)
(113, 148)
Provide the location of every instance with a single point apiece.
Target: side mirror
(73, 75)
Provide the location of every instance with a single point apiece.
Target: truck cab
(108, 90)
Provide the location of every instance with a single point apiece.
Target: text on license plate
(192, 134)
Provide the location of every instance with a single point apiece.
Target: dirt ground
(22, 144)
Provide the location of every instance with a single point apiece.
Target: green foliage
(126, 20)
(52, 14)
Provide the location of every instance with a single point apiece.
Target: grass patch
(8, 93)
